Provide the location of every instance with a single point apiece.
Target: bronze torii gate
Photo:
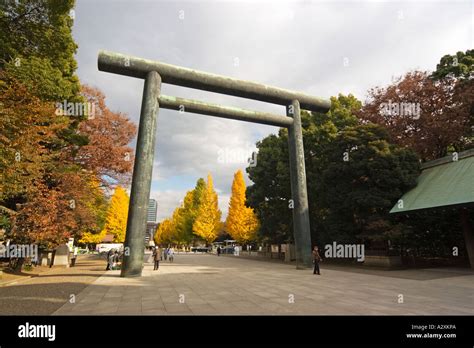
(154, 73)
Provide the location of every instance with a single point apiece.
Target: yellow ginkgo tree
(241, 223)
(116, 219)
(208, 220)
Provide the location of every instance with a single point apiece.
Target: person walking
(110, 260)
(218, 251)
(157, 257)
(166, 254)
(316, 260)
(171, 254)
(116, 260)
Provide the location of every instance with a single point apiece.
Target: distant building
(152, 210)
(150, 232)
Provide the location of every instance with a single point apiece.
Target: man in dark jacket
(316, 260)
(157, 258)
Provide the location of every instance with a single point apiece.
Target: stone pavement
(208, 284)
(45, 290)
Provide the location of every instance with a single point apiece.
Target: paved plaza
(44, 290)
(211, 285)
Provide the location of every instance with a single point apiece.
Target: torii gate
(154, 73)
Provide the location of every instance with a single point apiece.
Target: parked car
(105, 247)
(200, 249)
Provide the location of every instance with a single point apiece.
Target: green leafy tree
(365, 177)
(270, 194)
(40, 29)
(459, 65)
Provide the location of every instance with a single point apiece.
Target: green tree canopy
(460, 65)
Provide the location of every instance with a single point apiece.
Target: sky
(320, 48)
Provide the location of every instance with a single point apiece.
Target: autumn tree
(53, 164)
(116, 219)
(37, 68)
(38, 50)
(198, 193)
(164, 232)
(108, 133)
(241, 222)
(47, 219)
(89, 238)
(184, 219)
(178, 229)
(28, 135)
(421, 113)
(208, 221)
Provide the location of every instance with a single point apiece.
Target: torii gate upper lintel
(155, 73)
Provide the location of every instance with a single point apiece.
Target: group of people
(113, 258)
(159, 254)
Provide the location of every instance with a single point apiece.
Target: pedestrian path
(208, 284)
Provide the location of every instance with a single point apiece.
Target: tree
(92, 238)
(270, 194)
(45, 81)
(178, 229)
(47, 219)
(163, 234)
(106, 152)
(178, 233)
(459, 69)
(117, 214)
(28, 136)
(197, 197)
(241, 222)
(185, 219)
(40, 29)
(208, 220)
(38, 50)
(51, 163)
(423, 114)
(365, 177)
(460, 65)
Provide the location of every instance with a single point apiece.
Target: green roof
(442, 182)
